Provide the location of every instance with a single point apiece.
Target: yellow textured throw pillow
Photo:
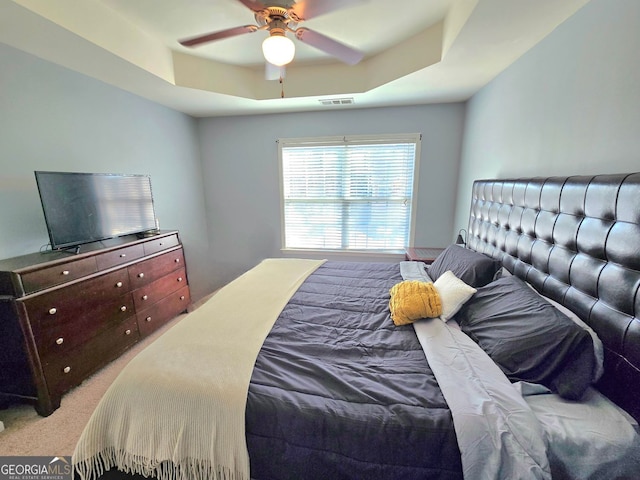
(412, 300)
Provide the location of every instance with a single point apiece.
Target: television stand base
(150, 233)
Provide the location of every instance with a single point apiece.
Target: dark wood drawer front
(157, 245)
(149, 294)
(76, 300)
(67, 371)
(52, 276)
(60, 335)
(148, 271)
(163, 311)
(120, 256)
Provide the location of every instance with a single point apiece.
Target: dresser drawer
(57, 336)
(157, 245)
(163, 311)
(81, 299)
(149, 294)
(56, 275)
(148, 271)
(120, 256)
(68, 370)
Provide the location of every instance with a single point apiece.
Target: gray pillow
(473, 268)
(528, 338)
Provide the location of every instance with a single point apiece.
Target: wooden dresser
(63, 315)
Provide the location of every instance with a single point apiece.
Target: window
(352, 193)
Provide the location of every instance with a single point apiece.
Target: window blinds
(353, 193)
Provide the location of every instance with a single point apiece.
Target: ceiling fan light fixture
(278, 50)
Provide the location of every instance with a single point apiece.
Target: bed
(529, 368)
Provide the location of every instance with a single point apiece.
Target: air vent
(336, 101)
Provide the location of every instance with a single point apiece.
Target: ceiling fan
(278, 49)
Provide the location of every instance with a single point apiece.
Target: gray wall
(54, 119)
(571, 105)
(240, 163)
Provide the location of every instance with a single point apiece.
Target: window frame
(334, 140)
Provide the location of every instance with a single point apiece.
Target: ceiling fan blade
(306, 9)
(274, 72)
(210, 37)
(253, 5)
(329, 45)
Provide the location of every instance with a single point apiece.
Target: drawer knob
(60, 341)
(181, 297)
(141, 275)
(148, 319)
(65, 272)
(177, 260)
(127, 332)
(119, 284)
(52, 311)
(123, 308)
(144, 297)
(160, 244)
(179, 279)
(66, 369)
(122, 255)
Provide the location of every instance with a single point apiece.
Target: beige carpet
(27, 433)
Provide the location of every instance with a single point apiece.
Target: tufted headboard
(576, 240)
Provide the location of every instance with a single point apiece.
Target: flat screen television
(81, 208)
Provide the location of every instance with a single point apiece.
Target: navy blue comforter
(339, 392)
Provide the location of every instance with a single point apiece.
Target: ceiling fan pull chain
(281, 87)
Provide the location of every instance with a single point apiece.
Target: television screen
(87, 207)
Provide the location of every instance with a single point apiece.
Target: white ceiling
(416, 51)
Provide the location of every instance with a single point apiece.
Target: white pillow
(453, 294)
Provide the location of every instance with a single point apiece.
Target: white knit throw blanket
(177, 410)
